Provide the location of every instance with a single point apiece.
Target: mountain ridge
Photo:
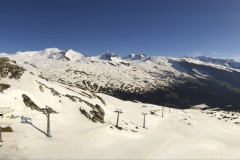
(157, 80)
(108, 54)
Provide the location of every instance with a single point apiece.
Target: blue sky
(155, 27)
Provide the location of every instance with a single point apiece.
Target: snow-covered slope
(73, 55)
(225, 62)
(169, 133)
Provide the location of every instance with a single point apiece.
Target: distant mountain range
(175, 82)
(225, 62)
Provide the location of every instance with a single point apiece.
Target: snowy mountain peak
(51, 50)
(73, 55)
(45, 52)
(53, 53)
(110, 56)
(133, 56)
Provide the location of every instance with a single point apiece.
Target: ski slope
(170, 137)
(179, 134)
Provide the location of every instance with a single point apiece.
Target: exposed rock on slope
(97, 113)
(10, 67)
(140, 56)
(4, 86)
(108, 56)
(41, 88)
(29, 103)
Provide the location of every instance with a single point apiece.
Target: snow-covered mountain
(51, 53)
(110, 56)
(73, 55)
(158, 80)
(83, 122)
(225, 62)
(133, 56)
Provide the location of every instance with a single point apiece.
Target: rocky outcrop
(96, 115)
(41, 88)
(29, 103)
(53, 91)
(10, 69)
(85, 113)
(4, 86)
(71, 97)
(101, 99)
(7, 129)
(99, 109)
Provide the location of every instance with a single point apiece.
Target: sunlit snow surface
(178, 134)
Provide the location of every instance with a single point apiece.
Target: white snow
(179, 134)
(166, 138)
(73, 55)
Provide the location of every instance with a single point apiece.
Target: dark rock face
(71, 97)
(108, 56)
(99, 109)
(97, 114)
(85, 113)
(7, 129)
(4, 86)
(10, 68)
(54, 92)
(140, 56)
(29, 103)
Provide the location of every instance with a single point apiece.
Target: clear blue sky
(155, 27)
